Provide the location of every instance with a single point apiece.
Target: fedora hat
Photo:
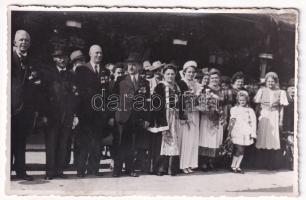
(58, 52)
(76, 55)
(156, 65)
(133, 58)
(291, 82)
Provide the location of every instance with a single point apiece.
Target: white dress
(245, 125)
(189, 134)
(268, 122)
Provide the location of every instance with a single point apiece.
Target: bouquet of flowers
(226, 149)
(208, 104)
(287, 143)
(189, 100)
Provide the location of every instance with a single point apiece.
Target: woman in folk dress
(189, 128)
(166, 124)
(211, 123)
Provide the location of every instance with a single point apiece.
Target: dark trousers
(18, 145)
(156, 160)
(89, 149)
(21, 125)
(124, 146)
(268, 159)
(161, 163)
(170, 164)
(69, 151)
(56, 147)
(72, 141)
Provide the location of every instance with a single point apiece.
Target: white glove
(75, 122)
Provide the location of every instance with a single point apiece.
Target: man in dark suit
(92, 121)
(24, 82)
(77, 59)
(60, 109)
(131, 118)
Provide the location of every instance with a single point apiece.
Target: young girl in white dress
(242, 128)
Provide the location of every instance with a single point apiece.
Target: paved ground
(253, 183)
(198, 183)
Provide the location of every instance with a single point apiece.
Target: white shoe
(185, 171)
(190, 170)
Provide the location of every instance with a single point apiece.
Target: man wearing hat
(131, 118)
(157, 76)
(77, 58)
(288, 122)
(89, 79)
(289, 110)
(59, 108)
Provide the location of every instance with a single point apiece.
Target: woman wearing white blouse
(272, 101)
(189, 128)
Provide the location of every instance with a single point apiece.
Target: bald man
(91, 121)
(22, 107)
(95, 54)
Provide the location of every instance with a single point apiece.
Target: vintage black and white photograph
(170, 102)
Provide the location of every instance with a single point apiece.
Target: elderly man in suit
(131, 117)
(59, 108)
(92, 121)
(24, 84)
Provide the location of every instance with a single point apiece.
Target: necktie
(62, 73)
(134, 81)
(96, 69)
(22, 61)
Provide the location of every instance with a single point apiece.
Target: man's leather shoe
(116, 174)
(61, 175)
(98, 174)
(47, 177)
(81, 175)
(159, 173)
(127, 172)
(134, 174)
(25, 177)
(172, 173)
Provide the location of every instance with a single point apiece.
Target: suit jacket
(128, 102)
(60, 95)
(89, 85)
(22, 87)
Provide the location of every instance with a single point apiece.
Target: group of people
(185, 114)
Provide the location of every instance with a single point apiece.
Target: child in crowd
(242, 128)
